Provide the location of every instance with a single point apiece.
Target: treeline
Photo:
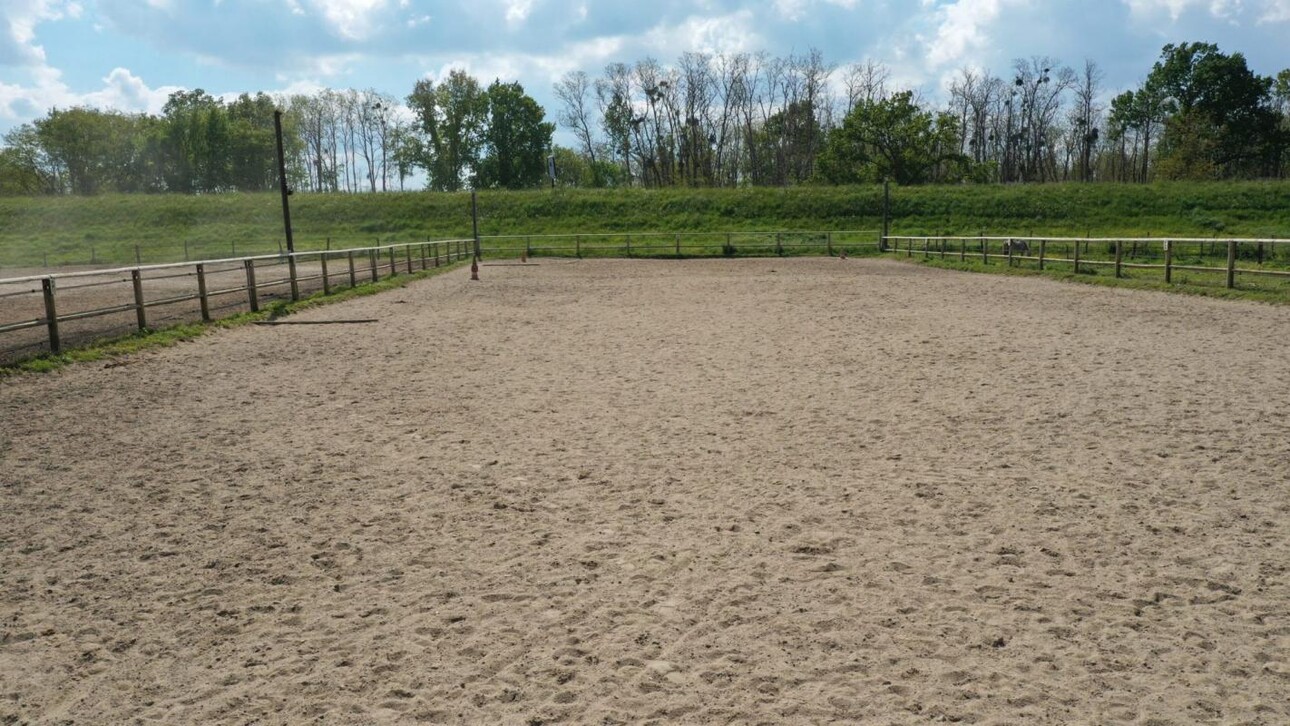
(455, 135)
(753, 119)
(706, 121)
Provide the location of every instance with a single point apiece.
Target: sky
(131, 54)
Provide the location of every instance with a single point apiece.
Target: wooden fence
(41, 301)
(1083, 254)
(680, 244)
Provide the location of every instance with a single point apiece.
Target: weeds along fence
(681, 244)
(1247, 263)
(46, 313)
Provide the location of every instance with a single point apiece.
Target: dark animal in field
(1016, 247)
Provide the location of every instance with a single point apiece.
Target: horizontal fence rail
(680, 244)
(1085, 255)
(147, 294)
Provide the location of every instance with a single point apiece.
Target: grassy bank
(108, 229)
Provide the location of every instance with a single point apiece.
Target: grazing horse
(1016, 247)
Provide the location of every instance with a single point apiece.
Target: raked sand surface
(726, 491)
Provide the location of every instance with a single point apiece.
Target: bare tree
(1085, 117)
(576, 115)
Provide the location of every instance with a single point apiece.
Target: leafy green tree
(515, 141)
(252, 150)
(193, 122)
(450, 118)
(1221, 120)
(892, 139)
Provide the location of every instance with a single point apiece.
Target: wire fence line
(681, 244)
(1119, 255)
(47, 312)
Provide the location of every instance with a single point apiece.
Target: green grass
(172, 335)
(1206, 284)
(107, 229)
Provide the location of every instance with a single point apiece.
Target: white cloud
(1265, 11)
(730, 33)
(121, 90)
(350, 19)
(517, 11)
(18, 21)
(963, 28)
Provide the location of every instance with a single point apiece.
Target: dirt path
(621, 491)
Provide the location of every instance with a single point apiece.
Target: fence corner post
(202, 298)
(1231, 264)
(140, 312)
(252, 295)
(51, 314)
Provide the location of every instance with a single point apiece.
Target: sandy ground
(750, 491)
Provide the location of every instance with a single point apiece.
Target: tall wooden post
(326, 279)
(1119, 256)
(282, 186)
(353, 276)
(1169, 261)
(1043, 252)
(1077, 245)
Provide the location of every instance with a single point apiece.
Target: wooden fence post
(140, 312)
(1011, 248)
(678, 245)
(252, 294)
(326, 280)
(1231, 264)
(985, 257)
(394, 264)
(962, 249)
(1076, 257)
(423, 257)
(1169, 261)
(407, 252)
(353, 277)
(371, 261)
(1119, 256)
(202, 298)
(51, 315)
(577, 246)
(291, 272)
(779, 244)
(1043, 252)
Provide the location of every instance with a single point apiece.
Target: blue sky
(130, 54)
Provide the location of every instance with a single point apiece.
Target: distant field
(107, 229)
